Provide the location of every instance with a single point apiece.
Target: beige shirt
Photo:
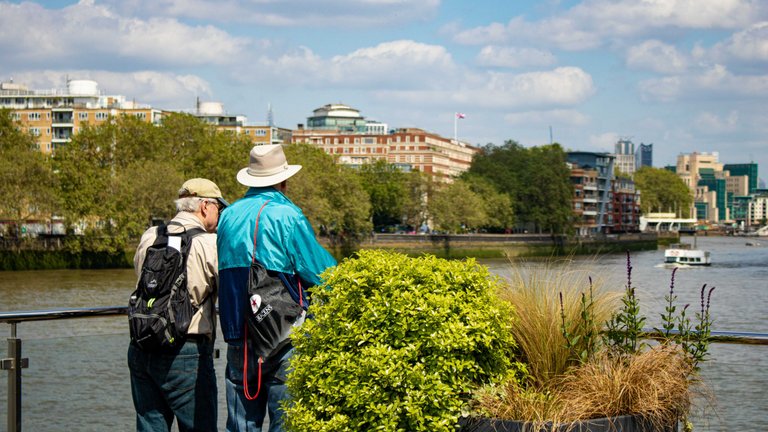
(202, 270)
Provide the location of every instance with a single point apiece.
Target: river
(77, 378)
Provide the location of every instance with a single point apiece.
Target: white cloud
(566, 86)
(750, 45)
(357, 13)
(604, 142)
(86, 33)
(716, 81)
(625, 17)
(560, 32)
(656, 56)
(712, 123)
(514, 57)
(547, 118)
(592, 23)
(396, 64)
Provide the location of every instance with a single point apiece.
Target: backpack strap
(245, 340)
(186, 244)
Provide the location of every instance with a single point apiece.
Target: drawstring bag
(273, 313)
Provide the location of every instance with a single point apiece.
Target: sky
(683, 75)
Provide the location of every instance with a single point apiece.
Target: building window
(34, 131)
(16, 116)
(260, 132)
(141, 116)
(101, 115)
(33, 116)
(82, 116)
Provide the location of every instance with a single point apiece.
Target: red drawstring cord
(245, 339)
(245, 370)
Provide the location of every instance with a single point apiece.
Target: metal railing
(15, 362)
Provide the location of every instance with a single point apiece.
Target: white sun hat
(267, 167)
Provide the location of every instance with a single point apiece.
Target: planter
(607, 424)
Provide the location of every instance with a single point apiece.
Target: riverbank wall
(512, 245)
(442, 245)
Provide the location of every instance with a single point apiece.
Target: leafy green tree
(117, 176)
(419, 187)
(663, 191)
(330, 194)
(27, 182)
(498, 206)
(387, 186)
(456, 208)
(537, 180)
(206, 152)
(550, 190)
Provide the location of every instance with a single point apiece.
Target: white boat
(685, 254)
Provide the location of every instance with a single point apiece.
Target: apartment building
(54, 116)
(626, 206)
(719, 189)
(213, 113)
(595, 171)
(624, 152)
(342, 132)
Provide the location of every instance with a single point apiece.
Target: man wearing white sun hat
(286, 246)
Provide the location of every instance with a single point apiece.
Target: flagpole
(456, 127)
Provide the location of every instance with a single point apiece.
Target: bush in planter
(397, 344)
(620, 377)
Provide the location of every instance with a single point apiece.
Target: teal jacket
(285, 244)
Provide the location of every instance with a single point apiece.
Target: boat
(687, 255)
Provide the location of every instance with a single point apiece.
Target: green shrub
(397, 344)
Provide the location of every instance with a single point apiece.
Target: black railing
(15, 362)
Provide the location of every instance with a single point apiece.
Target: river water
(77, 378)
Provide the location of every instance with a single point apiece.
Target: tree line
(113, 179)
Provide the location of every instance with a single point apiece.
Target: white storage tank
(210, 108)
(83, 87)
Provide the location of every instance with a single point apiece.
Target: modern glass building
(337, 117)
(644, 155)
(746, 169)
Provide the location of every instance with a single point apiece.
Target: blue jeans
(245, 415)
(179, 384)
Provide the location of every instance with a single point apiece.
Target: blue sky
(685, 75)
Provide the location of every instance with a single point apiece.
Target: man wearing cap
(285, 244)
(182, 383)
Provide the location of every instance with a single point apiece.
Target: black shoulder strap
(186, 243)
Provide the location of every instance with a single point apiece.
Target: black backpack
(159, 310)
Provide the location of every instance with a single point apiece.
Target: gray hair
(189, 204)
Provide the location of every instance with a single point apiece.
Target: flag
(460, 115)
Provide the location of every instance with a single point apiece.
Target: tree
(550, 191)
(117, 176)
(536, 179)
(27, 182)
(498, 206)
(387, 187)
(662, 190)
(456, 208)
(330, 194)
(204, 151)
(419, 188)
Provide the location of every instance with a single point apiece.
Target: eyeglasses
(214, 202)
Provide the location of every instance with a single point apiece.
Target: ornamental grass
(576, 370)
(536, 290)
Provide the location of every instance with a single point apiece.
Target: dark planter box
(610, 424)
